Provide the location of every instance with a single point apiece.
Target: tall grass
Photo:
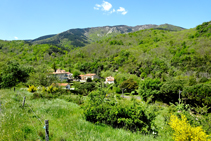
(66, 121)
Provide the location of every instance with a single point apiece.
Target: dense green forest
(154, 64)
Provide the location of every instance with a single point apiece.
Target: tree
(54, 67)
(88, 80)
(170, 90)
(12, 74)
(150, 87)
(129, 85)
(76, 74)
(41, 77)
(85, 88)
(192, 81)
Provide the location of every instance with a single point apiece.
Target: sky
(30, 19)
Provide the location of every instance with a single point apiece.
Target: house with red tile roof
(62, 75)
(86, 76)
(109, 80)
(63, 85)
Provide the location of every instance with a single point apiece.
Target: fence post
(24, 98)
(46, 130)
(14, 89)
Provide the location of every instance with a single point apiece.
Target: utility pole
(179, 96)
(123, 92)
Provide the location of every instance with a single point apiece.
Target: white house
(86, 76)
(109, 80)
(62, 75)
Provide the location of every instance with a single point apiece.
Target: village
(67, 77)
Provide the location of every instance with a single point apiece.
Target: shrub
(52, 89)
(128, 115)
(129, 85)
(43, 89)
(170, 90)
(203, 79)
(37, 95)
(32, 88)
(143, 75)
(184, 131)
(89, 80)
(198, 94)
(150, 87)
(192, 81)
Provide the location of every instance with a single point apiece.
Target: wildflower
(184, 131)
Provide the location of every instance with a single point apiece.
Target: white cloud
(16, 38)
(98, 5)
(112, 11)
(122, 10)
(96, 8)
(107, 8)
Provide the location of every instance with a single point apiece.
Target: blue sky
(29, 19)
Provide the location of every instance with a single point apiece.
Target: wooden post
(46, 130)
(24, 98)
(14, 88)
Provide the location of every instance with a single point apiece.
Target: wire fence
(26, 105)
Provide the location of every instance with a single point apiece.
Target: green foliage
(198, 94)
(88, 80)
(52, 89)
(66, 117)
(130, 115)
(203, 29)
(54, 67)
(150, 88)
(13, 74)
(76, 74)
(115, 42)
(143, 75)
(203, 79)
(192, 81)
(85, 88)
(170, 90)
(129, 85)
(41, 78)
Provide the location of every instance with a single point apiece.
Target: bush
(203, 79)
(128, 115)
(89, 80)
(37, 95)
(129, 85)
(143, 75)
(184, 131)
(192, 81)
(52, 89)
(32, 88)
(198, 94)
(170, 90)
(150, 87)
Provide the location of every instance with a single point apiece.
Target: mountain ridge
(79, 37)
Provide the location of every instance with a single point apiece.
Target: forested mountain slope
(80, 37)
(149, 52)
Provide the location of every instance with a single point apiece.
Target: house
(109, 80)
(62, 75)
(63, 85)
(86, 76)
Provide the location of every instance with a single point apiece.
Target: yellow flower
(184, 131)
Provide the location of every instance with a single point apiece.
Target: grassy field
(66, 121)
